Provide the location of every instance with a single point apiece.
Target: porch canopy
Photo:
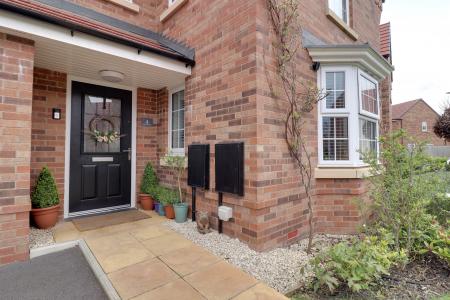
(81, 42)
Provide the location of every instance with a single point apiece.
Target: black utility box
(230, 168)
(198, 166)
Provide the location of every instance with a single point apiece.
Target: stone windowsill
(172, 9)
(322, 172)
(126, 4)
(341, 24)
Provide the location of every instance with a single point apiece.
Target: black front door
(100, 147)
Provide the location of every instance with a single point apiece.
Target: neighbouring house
(417, 118)
(170, 73)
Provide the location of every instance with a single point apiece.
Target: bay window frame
(361, 110)
(352, 110)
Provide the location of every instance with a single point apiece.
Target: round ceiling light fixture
(112, 76)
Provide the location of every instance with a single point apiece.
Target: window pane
(328, 150)
(369, 99)
(339, 7)
(335, 87)
(177, 114)
(341, 127)
(328, 127)
(340, 80)
(101, 118)
(335, 138)
(368, 136)
(342, 150)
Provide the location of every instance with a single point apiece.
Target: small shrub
(439, 206)
(165, 196)
(431, 164)
(45, 193)
(358, 264)
(149, 180)
(178, 164)
(438, 243)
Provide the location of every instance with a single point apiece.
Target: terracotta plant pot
(170, 212)
(45, 217)
(146, 201)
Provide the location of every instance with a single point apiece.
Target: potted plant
(178, 164)
(159, 194)
(170, 199)
(45, 200)
(149, 181)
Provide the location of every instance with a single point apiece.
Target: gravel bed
(40, 237)
(280, 268)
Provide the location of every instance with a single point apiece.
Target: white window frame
(377, 124)
(335, 139)
(424, 126)
(347, 9)
(351, 111)
(175, 151)
(361, 110)
(347, 71)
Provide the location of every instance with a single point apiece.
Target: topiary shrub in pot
(45, 200)
(149, 182)
(178, 164)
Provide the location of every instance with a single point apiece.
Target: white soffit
(84, 55)
(362, 55)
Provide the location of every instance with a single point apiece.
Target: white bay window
(349, 115)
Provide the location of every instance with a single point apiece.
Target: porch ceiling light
(112, 76)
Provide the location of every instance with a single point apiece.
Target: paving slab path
(146, 260)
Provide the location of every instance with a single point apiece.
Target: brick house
(417, 118)
(171, 73)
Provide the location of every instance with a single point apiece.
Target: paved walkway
(146, 260)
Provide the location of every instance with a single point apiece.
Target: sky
(421, 49)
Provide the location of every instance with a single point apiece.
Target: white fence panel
(438, 151)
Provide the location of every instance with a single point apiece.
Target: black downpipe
(220, 204)
(194, 212)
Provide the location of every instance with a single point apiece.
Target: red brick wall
(337, 201)
(412, 123)
(228, 97)
(220, 97)
(48, 135)
(147, 17)
(16, 79)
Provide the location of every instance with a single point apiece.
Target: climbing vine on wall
(302, 97)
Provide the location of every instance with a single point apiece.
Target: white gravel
(280, 268)
(40, 237)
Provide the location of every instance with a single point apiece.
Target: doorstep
(147, 260)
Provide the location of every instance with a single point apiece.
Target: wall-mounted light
(56, 113)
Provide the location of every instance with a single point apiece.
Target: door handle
(129, 153)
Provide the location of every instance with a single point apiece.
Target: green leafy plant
(45, 193)
(439, 206)
(166, 196)
(149, 180)
(398, 191)
(178, 164)
(358, 264)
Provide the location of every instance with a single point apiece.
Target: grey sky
(421, 49)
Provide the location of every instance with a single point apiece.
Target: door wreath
(107, 137)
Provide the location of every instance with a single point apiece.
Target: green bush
(166, 196)
(149, 180)
(439, 206)
(431, 164)
(45, 193)
(358, 264)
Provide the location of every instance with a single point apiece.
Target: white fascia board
(365, 57)
(35, 29)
